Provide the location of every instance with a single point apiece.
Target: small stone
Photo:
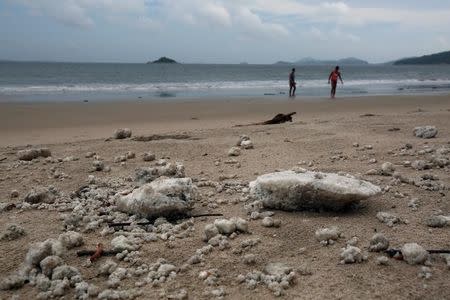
(352, 255)
(12, 232)
(122, 133)
(327, 235)
(372, 172)
(130, 155)
(210, 231)
(425, 273)
(438, 221)
(425, 132)
(387, 169)
(71, 239)
(12, 282)
(414, 254)
(14, 194)
(98, 165)
(241, 139)
(148, 156)
(241, 225)
(64, 271)
(30, 154)
(277, 269)
(49, 263)
(382, 261)
(249, 259)
(166, 269)
(248, 144)
(225, 226)
(388, 218)
(120, 158)
(413, 203)
(107, 268)
(89, 154)
(234, 151)
(91, 179)
(267, 222)
(378, 243)
(353, 241)
(40, 195)
(122, 243)
(420, 165)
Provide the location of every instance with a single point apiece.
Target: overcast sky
(221, 31)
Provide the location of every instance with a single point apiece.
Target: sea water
(108, 81)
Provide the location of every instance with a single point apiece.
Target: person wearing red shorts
(333, 78)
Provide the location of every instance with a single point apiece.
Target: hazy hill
(281, 62)
(309, 61)
(432, 59)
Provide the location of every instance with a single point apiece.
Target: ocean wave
(216, 85)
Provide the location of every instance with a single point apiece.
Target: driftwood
(175, 217)
(92, 252)
(398, 253)
(158, 137)
(278, 119)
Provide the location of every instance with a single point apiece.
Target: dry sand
(320, 130)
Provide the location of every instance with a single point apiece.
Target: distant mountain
(163, 60)
(343, 61)
(352, 61)
(284, 63)
(309, 61)
(432, 59)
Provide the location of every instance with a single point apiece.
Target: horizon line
(279, 62)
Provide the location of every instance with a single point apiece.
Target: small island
(432, 59)
(163, 60)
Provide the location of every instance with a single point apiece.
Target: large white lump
(160, 198)
(289, 190)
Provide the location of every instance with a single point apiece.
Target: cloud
(443, 42)
(118, 7)
(335, 34)
(146, 23)
(67, 12)
(195, 12)
(219, 14)
(344, 14)
(251, 24)
(79, 13)
(216, 12)
(252, 18)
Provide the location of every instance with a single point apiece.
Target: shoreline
(269, 96)
(31, 123)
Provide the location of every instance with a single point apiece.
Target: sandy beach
(325, 135)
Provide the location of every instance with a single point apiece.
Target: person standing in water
(333, 78)
(292, 83)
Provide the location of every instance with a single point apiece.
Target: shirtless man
(334, 76)
(292, 83)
